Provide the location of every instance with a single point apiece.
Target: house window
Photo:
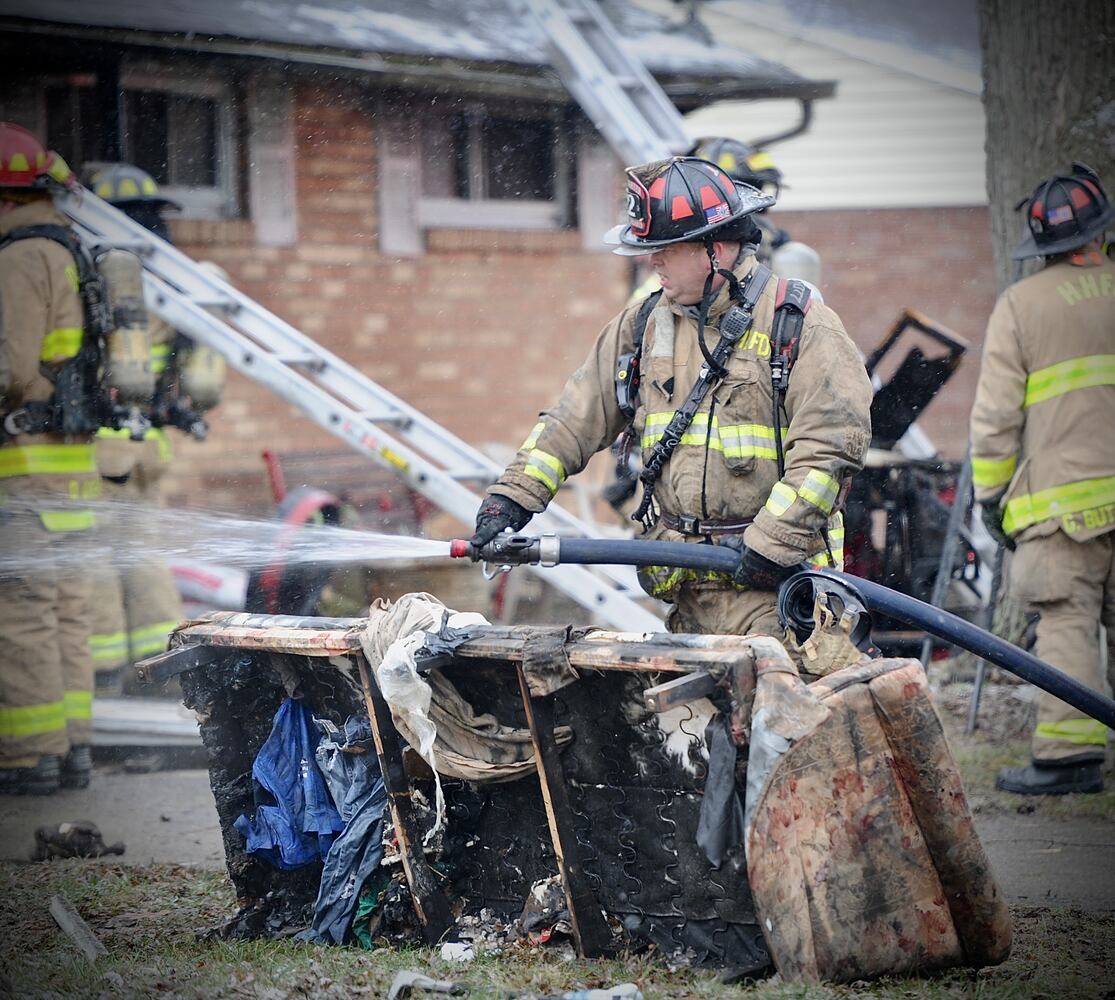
(180, 130)
(502, 159)
(174, 137)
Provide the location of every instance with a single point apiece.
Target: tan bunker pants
(1072, 586)
(711, 610)
(46, 672)
(136, 598)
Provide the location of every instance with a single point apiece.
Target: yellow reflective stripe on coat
(149, 639)
(1067, 376)
(61, 521)
(987, 473)
(61, 344)
(662, 581)
(47, 460)
(32, 720)
(734, 440)
(160, 358)
(546, 468)
(532, 439)
(77, 705)
(108, 647)
(820, 490)
(1082, 732)
(1057, 501)
(781, 499)
(820, 559)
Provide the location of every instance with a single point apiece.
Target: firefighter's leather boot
(1048, 778)
(41, 778)
(77, 767)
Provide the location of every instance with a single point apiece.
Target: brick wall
(481, 331)
(477, 333)
(937, 261)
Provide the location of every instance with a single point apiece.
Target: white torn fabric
(430, 713)
(391, 640)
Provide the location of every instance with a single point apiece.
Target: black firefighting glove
(496, 514)
(993, 522)
(757, 572)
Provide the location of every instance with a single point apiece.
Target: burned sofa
(685, 792)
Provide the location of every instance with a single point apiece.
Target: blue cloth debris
(357, 788)
(295, 821)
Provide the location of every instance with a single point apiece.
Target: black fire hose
(795, 600)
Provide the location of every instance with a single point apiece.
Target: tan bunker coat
(725, 467)
(1043, 442)
(46, 674)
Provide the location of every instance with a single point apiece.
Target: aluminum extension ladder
(343, 400)
(614, 88)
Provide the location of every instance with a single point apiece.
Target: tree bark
(1049, 97)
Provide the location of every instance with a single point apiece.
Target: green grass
(147, 918)
(979, 757)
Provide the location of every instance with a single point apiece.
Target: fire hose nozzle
(510, 550)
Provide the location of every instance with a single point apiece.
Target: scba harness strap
(78, 404)
(792, 304)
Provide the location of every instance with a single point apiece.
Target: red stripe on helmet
(680, 207)
(710, 198)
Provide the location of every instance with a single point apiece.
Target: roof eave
(520, 79)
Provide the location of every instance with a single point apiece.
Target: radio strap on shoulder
(733, 325)
(791, 305)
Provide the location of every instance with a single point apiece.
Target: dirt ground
(1055, 860)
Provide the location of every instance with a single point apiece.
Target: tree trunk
(1049, 96)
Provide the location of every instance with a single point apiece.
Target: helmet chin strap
(707, 296)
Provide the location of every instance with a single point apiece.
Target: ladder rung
(295, 359)
(391, 417)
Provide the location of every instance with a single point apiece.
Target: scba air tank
(127, 345)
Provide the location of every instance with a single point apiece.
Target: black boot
(77, 767)
(1049, 778)
(42, 779)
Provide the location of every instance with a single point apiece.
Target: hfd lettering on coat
(1087, 286)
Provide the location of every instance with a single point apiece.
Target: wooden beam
(304, 642)
(590, 930)
(679, 691)
(177, 661)
(430, 903)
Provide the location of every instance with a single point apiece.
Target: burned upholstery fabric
(546, 665)
(430, 713)
(861, 852)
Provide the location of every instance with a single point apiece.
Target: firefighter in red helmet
(1043, 461)
(730, 476)
(47, 471)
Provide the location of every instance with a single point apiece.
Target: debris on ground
(80, 838)
(545, 913)
(408, 982)
(76, 929)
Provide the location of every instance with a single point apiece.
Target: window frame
(481, 212)
(221, 201)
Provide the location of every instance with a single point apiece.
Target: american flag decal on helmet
(1058, 215)
(718, 213)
